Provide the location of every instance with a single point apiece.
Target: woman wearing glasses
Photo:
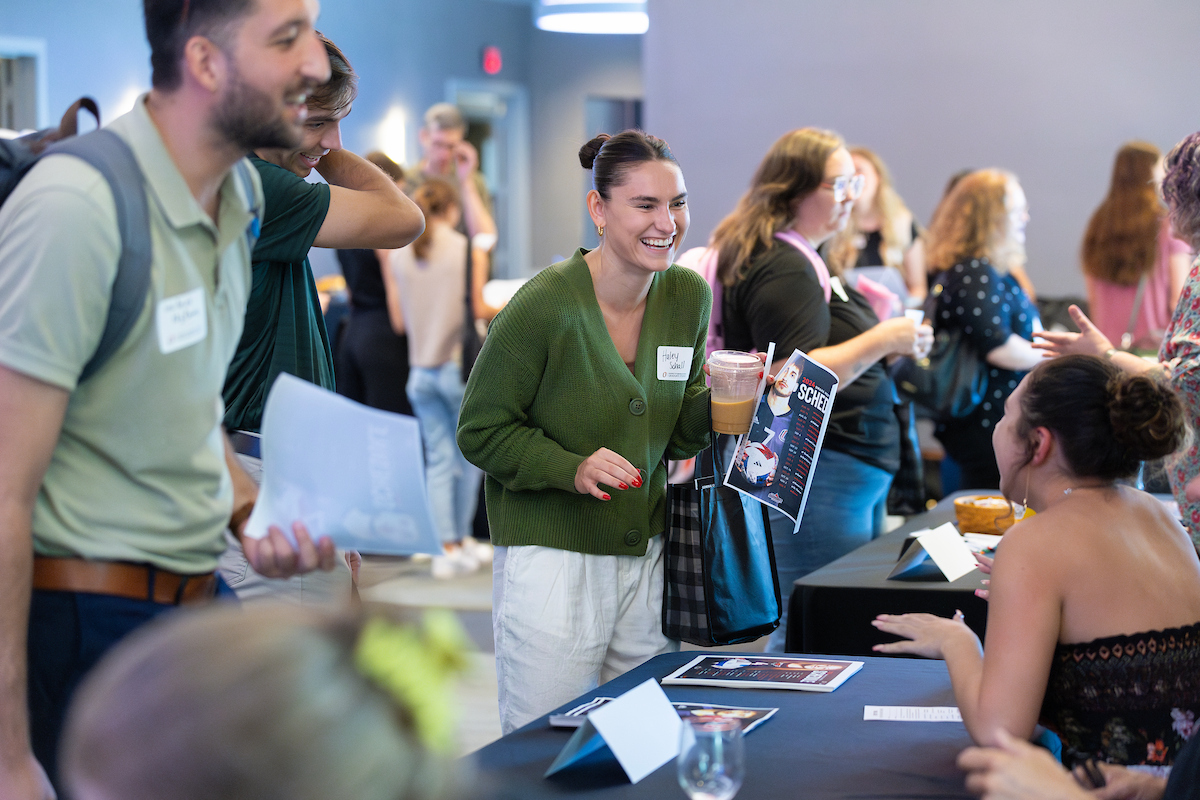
(777, 289)
(977, 230)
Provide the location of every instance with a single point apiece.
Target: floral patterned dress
(1125, 699)
(1181, 353)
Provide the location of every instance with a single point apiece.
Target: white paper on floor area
(352, 473)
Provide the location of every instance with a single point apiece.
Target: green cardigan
(549, 389)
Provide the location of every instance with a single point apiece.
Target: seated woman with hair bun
(1094, 610)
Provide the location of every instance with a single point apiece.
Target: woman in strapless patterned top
(1094, 616)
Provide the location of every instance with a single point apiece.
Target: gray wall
(404, 51)
(1047, 89)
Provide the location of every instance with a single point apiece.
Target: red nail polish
(622, 486)
(760, 375)
(637, 482)
(606, 497)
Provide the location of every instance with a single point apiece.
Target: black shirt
(363, 279)
(988, 307)
(781, 300)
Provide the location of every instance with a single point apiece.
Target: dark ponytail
(1106, 420)
(608, 157)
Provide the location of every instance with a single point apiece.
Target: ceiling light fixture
(591, 16)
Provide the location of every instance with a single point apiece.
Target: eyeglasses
(846, 186)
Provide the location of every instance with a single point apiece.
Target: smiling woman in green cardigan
(588, 380)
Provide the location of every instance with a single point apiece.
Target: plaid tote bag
(720, 586)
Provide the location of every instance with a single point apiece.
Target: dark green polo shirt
(284, 330)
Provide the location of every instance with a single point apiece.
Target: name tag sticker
(181, 321)
(674, 363)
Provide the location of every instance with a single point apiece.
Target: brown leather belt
(119, 579)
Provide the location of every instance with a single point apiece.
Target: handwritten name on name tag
(181, 321)
(674, 363)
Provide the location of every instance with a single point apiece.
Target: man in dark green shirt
(358, 207)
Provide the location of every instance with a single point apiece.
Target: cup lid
(734, 359)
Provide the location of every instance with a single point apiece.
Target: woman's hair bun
(1147, 417)
(588, 153)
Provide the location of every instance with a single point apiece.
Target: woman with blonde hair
(882, 231)
(269, 702)
(1130, 257)
(778, 289)
(977, 231)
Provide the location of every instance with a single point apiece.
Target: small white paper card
(352, 473)
(674, 363)
(948, 551)
(640, 727)
(912, 713)
(181, 321)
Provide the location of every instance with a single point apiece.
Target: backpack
(108, 154)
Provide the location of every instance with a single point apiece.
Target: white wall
(1046, 88)
(404, 52)
(566, 69)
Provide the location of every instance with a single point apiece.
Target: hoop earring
(599, 230)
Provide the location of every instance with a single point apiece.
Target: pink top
(1112, 303)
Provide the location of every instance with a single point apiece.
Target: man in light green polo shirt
(119, 484)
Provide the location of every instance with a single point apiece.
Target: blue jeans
(846, 506)
(453, 482)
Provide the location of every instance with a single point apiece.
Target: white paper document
(352, 473)
(912, 713)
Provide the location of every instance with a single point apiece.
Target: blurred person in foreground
(270, 703)
(1179, 357)
(976, 233)
(777, 288)
(1093, 624)
(1130, 256)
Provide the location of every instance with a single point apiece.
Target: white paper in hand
(352, 473)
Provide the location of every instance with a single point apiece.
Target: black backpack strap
(112, 158)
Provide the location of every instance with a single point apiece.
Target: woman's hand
(605, 467)
(1089, 341)
(900, 335)
(1017, 770)
(927, 633)
(985, 566)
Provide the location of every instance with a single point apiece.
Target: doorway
(497, 116)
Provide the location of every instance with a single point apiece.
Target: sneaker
(454, 563)
(482, 551)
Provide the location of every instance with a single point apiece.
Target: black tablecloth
(816, 746)
(830, 610)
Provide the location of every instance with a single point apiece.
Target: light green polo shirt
(139, 472)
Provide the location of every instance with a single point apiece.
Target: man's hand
(466, 160)
(274, 557)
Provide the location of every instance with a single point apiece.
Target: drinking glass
(710, 765)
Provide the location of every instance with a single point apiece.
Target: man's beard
(250, 119)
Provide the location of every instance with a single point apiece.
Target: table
(830, 610)
(817, 746)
